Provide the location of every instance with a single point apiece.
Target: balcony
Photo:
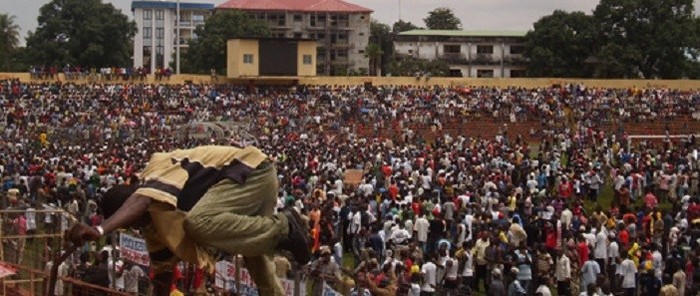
(454, 58)
(484, 59)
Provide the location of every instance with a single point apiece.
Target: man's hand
(80, 233)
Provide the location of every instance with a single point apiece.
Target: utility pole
(177, 37)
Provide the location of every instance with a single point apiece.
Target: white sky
(497, 15)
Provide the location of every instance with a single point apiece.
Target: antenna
(399, 10)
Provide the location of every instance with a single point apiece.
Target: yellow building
(270, 57)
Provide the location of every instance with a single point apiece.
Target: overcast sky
(513, 15)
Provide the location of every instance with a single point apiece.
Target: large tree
(382, 38)
(560, 45)
(81, 32)
(208, 51)
(403, 65)
(646, 38)
(9, 40)
(442, 18)
(402, 26)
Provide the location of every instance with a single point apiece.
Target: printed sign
(133, 249)
(226, 280)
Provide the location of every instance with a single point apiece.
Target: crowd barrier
(680, 84)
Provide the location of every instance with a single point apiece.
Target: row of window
(147, 33)
(248, 59)
(488, 73)
(481, 49)
(148, 15)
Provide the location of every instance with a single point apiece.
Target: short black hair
(114, 198)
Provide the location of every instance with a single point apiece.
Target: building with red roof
(340, 28)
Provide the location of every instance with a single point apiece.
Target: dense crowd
(452, 215)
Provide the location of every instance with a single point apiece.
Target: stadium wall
(355, 80)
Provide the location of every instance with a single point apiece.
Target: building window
(361, 34)
(455, 73)
(517, 73)
(247, 58)
(361, 51)
(147, 32)
(160, 14)
(451, 48)
(307, 59)
(342, 53)
(160, 33)
(297, 17)
(147, 15)
(297, 35)
(517, 49)
(484, 73)
(484, 49)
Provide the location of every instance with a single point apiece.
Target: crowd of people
(77, 72)
(577, 210)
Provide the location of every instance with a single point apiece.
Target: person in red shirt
(583, 250)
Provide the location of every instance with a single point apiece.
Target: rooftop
(170, 5)
(460, 33)
(295, 5)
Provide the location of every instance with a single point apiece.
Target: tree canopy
(442, 18)
(209, 49)
(402, 26)
(382, 46)
(621, 39)
(9, 40)
(560, 45)
(81, 32)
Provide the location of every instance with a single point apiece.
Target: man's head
(114, 198)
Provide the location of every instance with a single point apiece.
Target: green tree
(9, 40)
(442, 18)
(380, 34)
(374, 53)
(209, 49)
(402, 26)
(560, 45)
(646, 38)
(81, 32)
(404, 65)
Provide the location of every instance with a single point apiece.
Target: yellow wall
(235, 49)
(306, 48)
(496, 82)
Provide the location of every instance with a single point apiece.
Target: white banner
(226, 280)
(133, 249)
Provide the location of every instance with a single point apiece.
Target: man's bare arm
(133, 210)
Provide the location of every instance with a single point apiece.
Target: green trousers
(238, 219)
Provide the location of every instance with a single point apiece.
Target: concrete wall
(358, 38)
(465, 82)
(235, 49)
(306, 48)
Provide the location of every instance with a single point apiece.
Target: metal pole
(177, 36)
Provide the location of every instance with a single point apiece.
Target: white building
(469, 54)
(155, 41)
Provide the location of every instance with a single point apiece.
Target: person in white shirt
(600, 252)
(62, 272)
(132, 274)
(421, 228)
(629, 273)
(429, 271)
(468, 268)
(562, 272)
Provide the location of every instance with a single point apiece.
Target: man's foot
(298, 241)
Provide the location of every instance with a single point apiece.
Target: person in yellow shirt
(192, 203)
